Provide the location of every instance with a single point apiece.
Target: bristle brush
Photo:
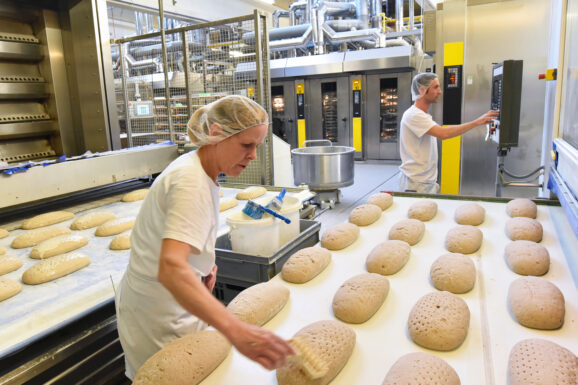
(307, 360)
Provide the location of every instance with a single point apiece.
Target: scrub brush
(277, 202)
(255, 211)
(307, 360)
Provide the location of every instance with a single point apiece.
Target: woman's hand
(211, 279)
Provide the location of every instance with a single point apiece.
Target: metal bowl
(323, 168)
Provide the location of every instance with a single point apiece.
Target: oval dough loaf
(439, 321)
(340, 236)
(360, 297)
(365, 215)
(305, 264)
(120, 242)
(115, 226)
(527, 258)
(251, 193)
(47, 219)
(522, 207)
(541, 362)
(423, 210)
(470, 214)
(522, 228)
(464, 239)
(407, 230)
(9, 263)
(388, 257)
(90, 220)
(55, 267)
(58, 245)
(227, 203)
(332, 342)
(136, 195)
(9, 288)
(4, 233)
(185, 361)
(453, 272)
(34, 237)
(536, 303)
(383, 200)
(259, 303)
(421, 369)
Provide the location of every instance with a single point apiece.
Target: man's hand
(211, 279)
(488, 117)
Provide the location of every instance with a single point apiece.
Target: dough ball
(407, 230)
(464, 239)
(340, 236)
(527, 258)
(470, 214)
(522, 228)
(365, 214)
(421, 369)
(305, 264)
(388, 257)
(424, 210)
(383, 200)
(453, 272)
(360, 297)
(536, 303)
(522, 207)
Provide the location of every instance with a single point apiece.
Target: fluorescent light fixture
(234, 53)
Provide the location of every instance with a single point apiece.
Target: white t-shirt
(419, 151)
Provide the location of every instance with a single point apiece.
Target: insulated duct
(318, 14)
(277, 14)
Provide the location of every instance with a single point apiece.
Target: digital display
(453, 79)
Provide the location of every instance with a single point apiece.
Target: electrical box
(140, 109)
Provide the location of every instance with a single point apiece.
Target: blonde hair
(233, 114)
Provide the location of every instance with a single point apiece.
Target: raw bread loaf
(439, 321)
(407, 230)
(423, 210)
(90, 220)
(536, 303)
(251, 193)
(340, 236)
(421, 369)
(4, 233)
(541, 362)
(453, 272)
(522, 207)
(383, 200)
(305, 264)
(360, 297)
(259, 303)
(185, 361)
(58, 245)
(464, 239)
(34, 237)
(365, 215)
(522, 228)
(227, 203)
(55, 267)
(47, 219)
(136, 195)
(470, 214)
(2, 250)
(9, 288)
(9, 263)
(527, 258)
(115, 226)
(388, 257)
(120, 242)
(331, 341)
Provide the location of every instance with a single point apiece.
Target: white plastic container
(290, 209)
(253, 236)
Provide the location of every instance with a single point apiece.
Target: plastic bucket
(253, 236)
(290, 209)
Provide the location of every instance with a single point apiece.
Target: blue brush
(255, 211)
(277, 202)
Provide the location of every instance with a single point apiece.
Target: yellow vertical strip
(301, 132)
(450, 168)
(357, 134)
(454, 54)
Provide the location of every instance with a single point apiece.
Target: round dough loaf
(424, 210)
(522, 207)
(527, 258)
(360, 297)
(9, 263)
(439, 321)
(470, 214)
(536, 303)
(365, 215)
(251, 193)
(120, 242)
(383, 200)
(259, 303)
(421, 369)
(522, 228)
(227, 203)
(464, 239)
(9, 288)
(407, 230)
(136, 195)
(340, 236)
(305, 264)
(453, 272)
(388, 257)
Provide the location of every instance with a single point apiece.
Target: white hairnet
(233, 113)
(421, 83)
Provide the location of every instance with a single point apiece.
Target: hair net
(422, 80)
(233, 113)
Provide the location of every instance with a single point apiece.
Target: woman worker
(165, 292)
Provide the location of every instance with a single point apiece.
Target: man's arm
(453, 131)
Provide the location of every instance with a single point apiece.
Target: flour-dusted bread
(115, 226)
(340, 236)
(421, 369)
(522, 207)
(470, 214)
(407, 230)
(388, 257)
(464, 239)
(540, 362)
(9, 288)
(90, 220)
(365, 215)
(527, 258)
(55, 267)
(4, 233)
(120, 242)
(58, 245)
(136, 195)
(439, 321)
(522, 228)
(423, 210)
(251, 193)
(305, 264)
(360, 297)
(331, 341)
(383, 200)
(34, 237)
(185, 361)
(47, 219)
(227, 203)
(9, 263)
(536, 303)
(453, 272)
(259, 303)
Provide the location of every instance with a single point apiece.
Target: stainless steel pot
(325, 167)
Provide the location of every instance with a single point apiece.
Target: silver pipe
(277, 14)
(362, 13)
(296, 42)
(345, 24)
(166, 72)
(328, 8)
(375, 6)
(411, 14)
(132, 63)
(398, 15)
(282, 33)
(293, 9)
(350, 36)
